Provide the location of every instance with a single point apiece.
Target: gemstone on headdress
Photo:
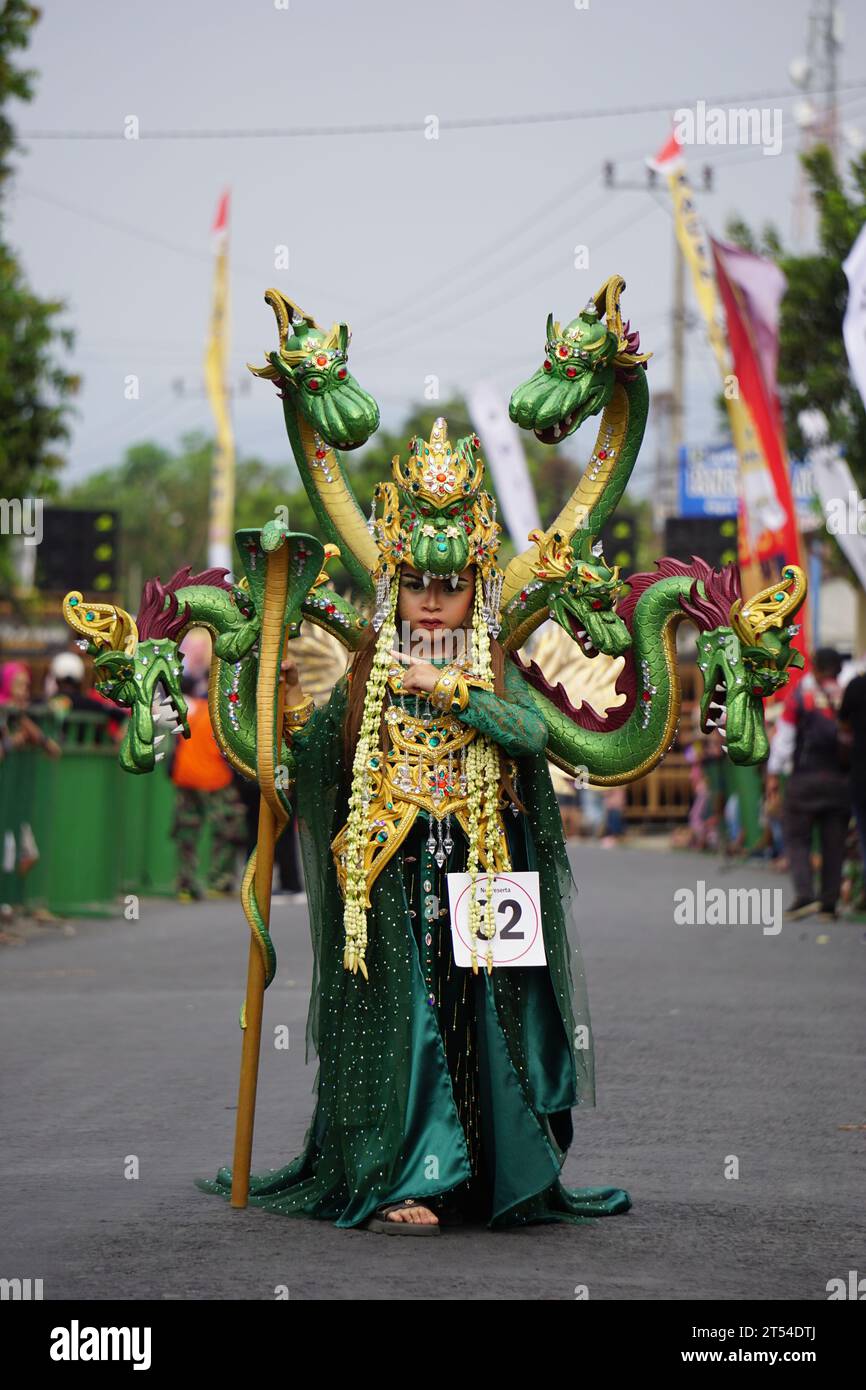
(438, 470)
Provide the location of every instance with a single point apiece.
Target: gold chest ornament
(424, 769)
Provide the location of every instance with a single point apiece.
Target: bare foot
(421, 1215)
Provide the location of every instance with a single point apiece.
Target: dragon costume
(437, 1082)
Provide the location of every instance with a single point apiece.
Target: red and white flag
(221, 221)
(751, 288)
(669, 157)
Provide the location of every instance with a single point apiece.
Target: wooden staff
(274, 608)
(255, 997)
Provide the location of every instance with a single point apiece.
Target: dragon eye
(313, 384)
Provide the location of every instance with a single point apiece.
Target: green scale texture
(470, 1095)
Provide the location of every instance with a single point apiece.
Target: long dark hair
(358, 677)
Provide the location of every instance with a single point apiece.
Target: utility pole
(678, 379)
(817, 112)
(825, 41)
(670, 405)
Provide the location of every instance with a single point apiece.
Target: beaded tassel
(492, 598)
(440, 851)
(383, 598)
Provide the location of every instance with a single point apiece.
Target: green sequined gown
(434, 1083)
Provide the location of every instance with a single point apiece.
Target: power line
(144, 415)
(447, 278)
(433, 288)
(492, 302)
(413, 127)
(494, 272)
(126, 229)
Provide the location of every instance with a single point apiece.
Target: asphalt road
(712, 1041)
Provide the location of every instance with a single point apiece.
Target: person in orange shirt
(205, 789)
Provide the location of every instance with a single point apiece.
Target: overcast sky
(445, 256)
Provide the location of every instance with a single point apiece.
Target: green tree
(35, 384)
(162, 496)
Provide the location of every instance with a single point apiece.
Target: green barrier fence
(100, 833)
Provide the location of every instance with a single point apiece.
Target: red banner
(751, 290)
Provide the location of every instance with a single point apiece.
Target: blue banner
(709, 481)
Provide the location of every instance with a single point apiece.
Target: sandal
(380, 1224)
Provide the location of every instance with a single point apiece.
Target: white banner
(844, 509)
(854, 324)
(504, 456)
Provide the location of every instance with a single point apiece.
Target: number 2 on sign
(508, 932)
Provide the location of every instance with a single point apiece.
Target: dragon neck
(232, 685)
(602, 483)
(332, 498)
(632, 739)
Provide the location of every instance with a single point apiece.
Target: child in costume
(444, 1094)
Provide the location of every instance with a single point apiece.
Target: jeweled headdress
(436, 515)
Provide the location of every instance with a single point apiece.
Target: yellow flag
(222, 492)
(760, 511)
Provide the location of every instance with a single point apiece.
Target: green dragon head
(311, 369)
(578, 374)
(137, 662)
(151, 673)
(582, 593)
(746, 659)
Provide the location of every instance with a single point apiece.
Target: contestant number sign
(516, 915)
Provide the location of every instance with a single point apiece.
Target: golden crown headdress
(436, 514)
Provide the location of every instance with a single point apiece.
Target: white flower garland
(368, 745)
(482, 775)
